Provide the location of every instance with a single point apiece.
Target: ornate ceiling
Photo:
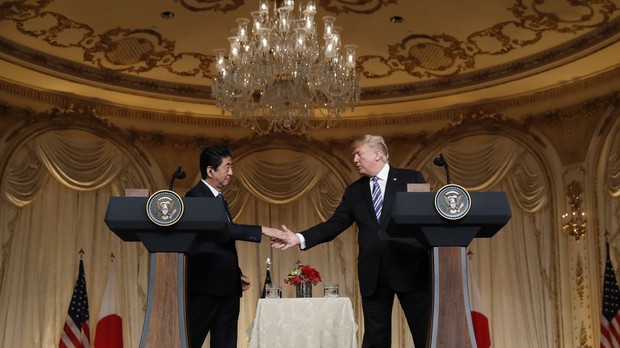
(158, 55)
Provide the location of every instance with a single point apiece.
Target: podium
(415, 216)
(204, 217)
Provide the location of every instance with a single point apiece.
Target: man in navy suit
(214, 280)
(387, 266)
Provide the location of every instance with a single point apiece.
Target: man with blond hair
(387, 266)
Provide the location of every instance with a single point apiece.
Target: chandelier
(276, 77)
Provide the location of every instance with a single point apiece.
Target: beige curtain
(610, 202)
(56, 186)
(513, 270)
(515, 282)
(55, 191)
(297, 189)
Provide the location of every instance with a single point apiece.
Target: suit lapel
(367, 197)
(205, 190)
(391, 186)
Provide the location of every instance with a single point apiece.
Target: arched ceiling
(444, 53)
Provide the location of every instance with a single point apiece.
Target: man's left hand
(245, 283)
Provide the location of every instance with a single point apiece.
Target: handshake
(281, 239)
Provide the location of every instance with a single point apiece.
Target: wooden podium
(415, 215)
(164, 322)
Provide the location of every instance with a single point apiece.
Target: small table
(304, 322)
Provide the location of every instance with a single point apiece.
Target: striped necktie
(377, 200)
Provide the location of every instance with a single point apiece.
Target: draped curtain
(290, 187)
(513, 270)
(56, 186)
(610, 200)
(55, 191)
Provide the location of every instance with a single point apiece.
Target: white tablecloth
(304, 323)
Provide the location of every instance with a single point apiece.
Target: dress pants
(217, 315)
(378, 315)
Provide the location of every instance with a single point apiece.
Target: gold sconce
(575, 220)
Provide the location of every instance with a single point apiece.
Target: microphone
(178, 174)
(441, 162)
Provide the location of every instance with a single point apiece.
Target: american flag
(610, 319)
(76, 332)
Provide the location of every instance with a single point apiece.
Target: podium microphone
(441, 162)
(178, 174)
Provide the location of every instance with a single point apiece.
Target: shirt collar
(383, 173)
(213, 190)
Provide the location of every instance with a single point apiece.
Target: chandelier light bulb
(310, 7)
(328, 22)
(242, 31)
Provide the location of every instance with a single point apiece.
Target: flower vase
(303, 290)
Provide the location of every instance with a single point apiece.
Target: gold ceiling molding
(425, 56)
(67, 70)
(334, 6)
(451, 115)
(440, 62)
(133, 51)
(452, 76)
(211, 5)
(355, 6)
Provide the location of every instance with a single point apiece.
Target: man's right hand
(290, 240)
(274, 233)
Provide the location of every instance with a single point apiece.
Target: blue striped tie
(377, 201)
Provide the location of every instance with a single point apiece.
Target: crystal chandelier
(276, 77)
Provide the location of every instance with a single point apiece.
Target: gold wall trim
(110, 111)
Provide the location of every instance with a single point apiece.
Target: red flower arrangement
(303, 273)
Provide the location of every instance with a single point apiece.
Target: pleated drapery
(55, 188)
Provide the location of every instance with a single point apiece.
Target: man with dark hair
(214, 280)
(387, 266)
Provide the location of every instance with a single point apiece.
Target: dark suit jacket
(212, 267)
(403, 262)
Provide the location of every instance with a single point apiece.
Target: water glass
(330, 290)
(272, 291)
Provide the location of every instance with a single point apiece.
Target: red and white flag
(76, 332)
(610, 317)
(109, 332)
(479, 318)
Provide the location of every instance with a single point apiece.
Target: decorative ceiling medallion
(358, 6)
(164, 208)
(425, 55)
(130, 50)
(452, 202)
(438, 62)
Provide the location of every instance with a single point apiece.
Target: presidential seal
(164, 208)
(452, 202)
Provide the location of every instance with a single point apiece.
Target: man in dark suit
(387, 266)
(214, 280)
